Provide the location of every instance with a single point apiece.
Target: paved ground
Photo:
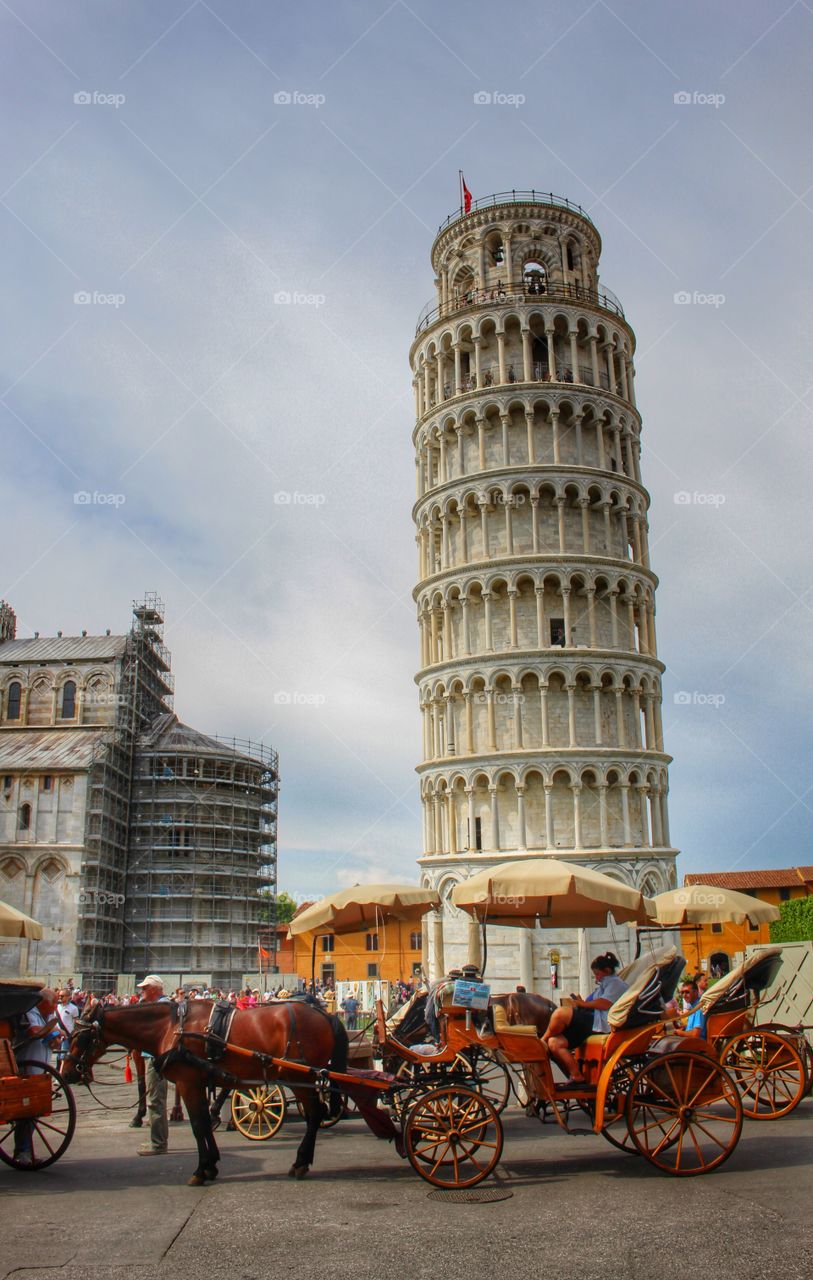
(578, 1210)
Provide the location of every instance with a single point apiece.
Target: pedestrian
(67, 1013)
(152, 992)
(37, 1029)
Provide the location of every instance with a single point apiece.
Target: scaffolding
(144, 692)
(203, 853)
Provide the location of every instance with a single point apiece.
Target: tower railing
(516, 197)
(512, 295)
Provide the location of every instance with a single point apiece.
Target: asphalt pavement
(573, 1208)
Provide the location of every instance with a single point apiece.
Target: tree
(279, 910)
(286, 906)
(795, 923)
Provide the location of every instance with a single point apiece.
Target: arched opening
(534, 278)
(14, 703)
(68, 710)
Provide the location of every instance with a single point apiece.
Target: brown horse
(290, 1030)
(524, 1008)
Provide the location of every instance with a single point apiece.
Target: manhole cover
(476, 1195)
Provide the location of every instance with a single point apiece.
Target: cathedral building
(138, 843)
(539, 680)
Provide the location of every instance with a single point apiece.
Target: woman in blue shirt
(569, 1027)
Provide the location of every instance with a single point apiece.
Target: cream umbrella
(14, 924)
(547, 891)
(364, 905)
(697, 904)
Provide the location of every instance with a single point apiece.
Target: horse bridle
(87, 1034)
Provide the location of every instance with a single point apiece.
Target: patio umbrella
(14, 924)
(553, 893)
(697, 904)
(364, 905)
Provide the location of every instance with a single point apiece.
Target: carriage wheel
(615, 1129)
(488, 1076)
(50, 1135)
(453, 1137)
(328, 1121)
(258, 1111)
(684, 1113)
(769, 1072)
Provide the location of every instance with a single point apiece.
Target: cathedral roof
(168, 733)
(61, 649)
(46, 749)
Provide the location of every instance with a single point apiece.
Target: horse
(175, 1036)
(524, 1008)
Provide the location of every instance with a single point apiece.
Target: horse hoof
(301, 1172)
(292, 1171)
(197, 1180)
(211, 1173)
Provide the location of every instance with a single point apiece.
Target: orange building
(718, 944)
(393, 952)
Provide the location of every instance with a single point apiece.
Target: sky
(216, 223)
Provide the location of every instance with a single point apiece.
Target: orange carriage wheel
(453, 1137)
(488, 1076)
(258, 1111)
(47, 1136)
(769, 1072)
(684, 1113)
(615, 1128)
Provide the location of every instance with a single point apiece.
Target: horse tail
(338, 1059)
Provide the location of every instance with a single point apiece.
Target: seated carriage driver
(569, 1027)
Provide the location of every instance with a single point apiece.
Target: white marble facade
(539, 680)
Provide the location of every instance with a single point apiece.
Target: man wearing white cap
(152, 991)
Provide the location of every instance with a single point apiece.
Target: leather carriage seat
(644, 999)
(755, 973)
(503, 1026)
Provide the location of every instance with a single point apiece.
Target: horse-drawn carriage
(37, 1107)
(769, 1062)
(670, 1099)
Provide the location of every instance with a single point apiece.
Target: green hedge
(795, 923)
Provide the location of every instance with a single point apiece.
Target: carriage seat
(752, 976)
(644, 999)
(502, 1025)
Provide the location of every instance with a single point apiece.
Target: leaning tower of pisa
(540, 684)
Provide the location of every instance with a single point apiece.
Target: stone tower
(540, 685)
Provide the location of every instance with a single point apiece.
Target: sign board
(555, 958)
(366, 991)
(470, 995)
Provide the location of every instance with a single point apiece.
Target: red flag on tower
(465, 194)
